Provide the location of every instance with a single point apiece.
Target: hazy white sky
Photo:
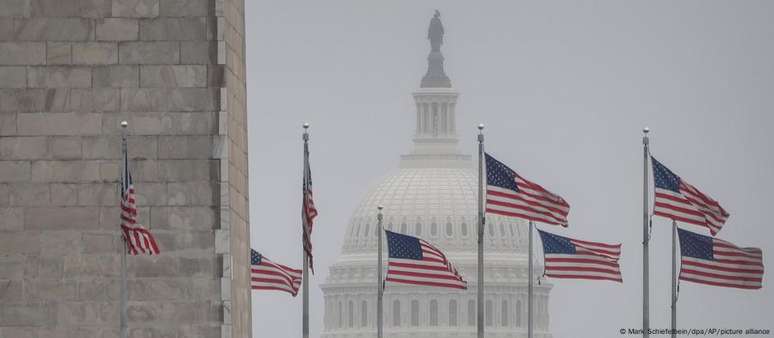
(565, 88)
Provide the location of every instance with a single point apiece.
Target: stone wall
(234, 233)
(70, 71)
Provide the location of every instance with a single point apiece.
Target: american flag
(571, 258)
(508, 194)
(307, 208)
(680, 201)
(417, 262)
(267, 275)
(712, 261)
(137, 238)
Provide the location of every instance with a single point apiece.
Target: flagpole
(674, 279)
(530, 287)
(124, 248)
(305, 297)
(305, 276)
(645, 237)
(379, 281)
(481, 222)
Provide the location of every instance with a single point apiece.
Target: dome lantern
(435, 136)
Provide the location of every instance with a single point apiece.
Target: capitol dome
(433, 195)
(436, 203)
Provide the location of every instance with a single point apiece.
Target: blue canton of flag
(665, 178)
(695, 245)
(402, 246)
(499, 175)
(553, 244)
(255, 257)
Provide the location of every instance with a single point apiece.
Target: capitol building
(433, 195)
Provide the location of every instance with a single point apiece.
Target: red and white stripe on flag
(308, 209)
(417, 262)
(267, 275)
(138, 239)
(711, 261)
(566, 257)
(510, 195)
(677, 200)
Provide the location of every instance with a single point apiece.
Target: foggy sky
(564, 88)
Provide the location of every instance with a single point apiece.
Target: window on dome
(464, 228)
(350, 314)
(396, 313)
(502, 230)
(433, 312)
(488, 314)
(419, 229)
(404, 228)
(510, 226)
(434, 229)
(491, 230)
(365, 232)
(340, 317)
(449, 229)
(518, 313)
(452, 312)
(356, 229)
(504, 314)
(364, 314)
(471, 313)
(414, 313)
(389, 226)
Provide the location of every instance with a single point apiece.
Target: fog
(564, 88)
